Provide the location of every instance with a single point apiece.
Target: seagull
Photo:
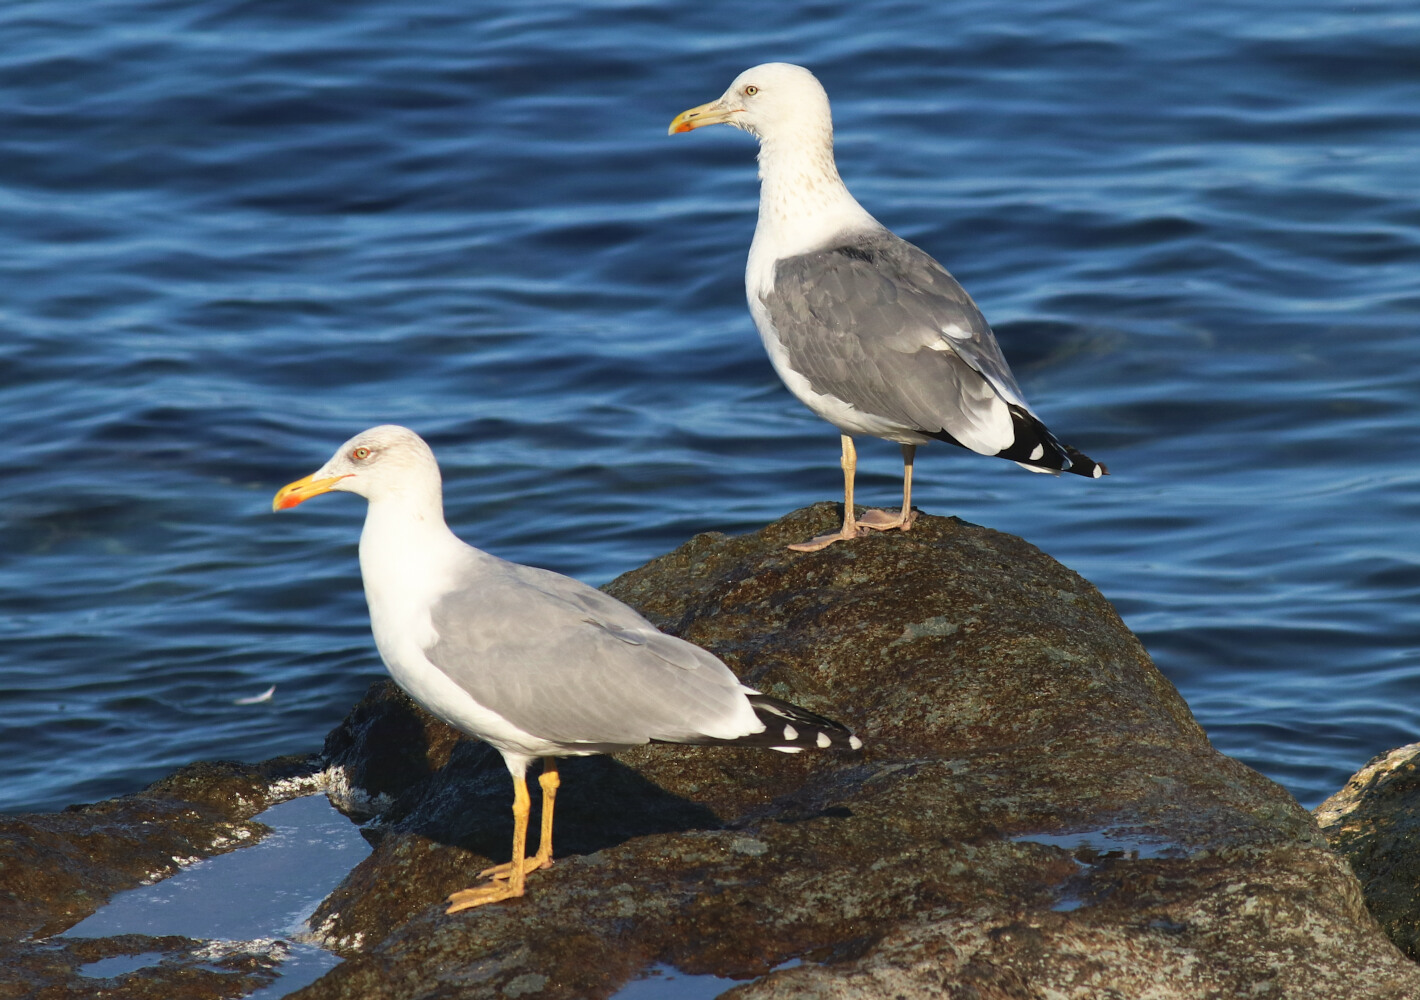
(867, 330)
(532, 662)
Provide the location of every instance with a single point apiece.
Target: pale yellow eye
(751, 90)
(360, 454)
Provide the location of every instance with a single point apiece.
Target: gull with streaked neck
(532, 662)
(867, 330)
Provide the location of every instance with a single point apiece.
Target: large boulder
(1374, 823)
(1034, 813)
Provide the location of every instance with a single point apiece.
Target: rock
(1035, 812)
(176, 968)
(1374, 823)
(57, 868)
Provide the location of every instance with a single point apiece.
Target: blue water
(237, 231)
(256, 901)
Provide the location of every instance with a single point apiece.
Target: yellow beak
(302, 490)
(714, 113)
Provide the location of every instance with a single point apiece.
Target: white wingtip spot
(823, 740)
(790, 733)
(855, 743)
(1038, 453)
(788, 749)
(1099, 471)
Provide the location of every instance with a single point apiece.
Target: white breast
(804, 206)
(406, 566)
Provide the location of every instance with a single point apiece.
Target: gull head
(770, 101)
(382, 463)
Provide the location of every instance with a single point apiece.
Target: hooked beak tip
(293, 494)
(714, 113)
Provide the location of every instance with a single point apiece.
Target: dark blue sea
(235, 232)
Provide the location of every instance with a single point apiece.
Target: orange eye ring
(360, 454)
(751, 90)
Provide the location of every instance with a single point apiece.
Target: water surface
(238, 231)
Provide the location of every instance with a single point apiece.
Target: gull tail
(787, 728)
(790, 728)
(1083, 465)
(1038, 450)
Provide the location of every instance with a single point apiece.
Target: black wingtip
(1083, 465)
(787, 727)
(1036, 447)
(790, 728)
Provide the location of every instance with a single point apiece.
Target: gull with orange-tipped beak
(867, 330)
(532, 662)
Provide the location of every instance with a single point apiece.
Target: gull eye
(360, 454)
(751, 90)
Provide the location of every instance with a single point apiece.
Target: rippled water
(236, 232)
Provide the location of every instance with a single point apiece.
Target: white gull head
(385, 464)
(773, 102)
(803, 203)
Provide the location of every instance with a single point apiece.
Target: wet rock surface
(1374, 823)
(57, 868)
(168, 968)
(1035, 811)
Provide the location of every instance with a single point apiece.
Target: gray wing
(879, 324)
(565, 662)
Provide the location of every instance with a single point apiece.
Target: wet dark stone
(1374, 823)
(1001, 699)
(57, 868)
(387, 749)
(177, 968)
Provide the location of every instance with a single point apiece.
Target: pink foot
(505, 870)
(824, 541)
(886, 520)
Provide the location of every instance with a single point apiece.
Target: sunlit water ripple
(239, 231)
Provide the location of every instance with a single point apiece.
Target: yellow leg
(886, 520)
(850, 524)
(550, 782)
(513, 886)
(909, 452)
